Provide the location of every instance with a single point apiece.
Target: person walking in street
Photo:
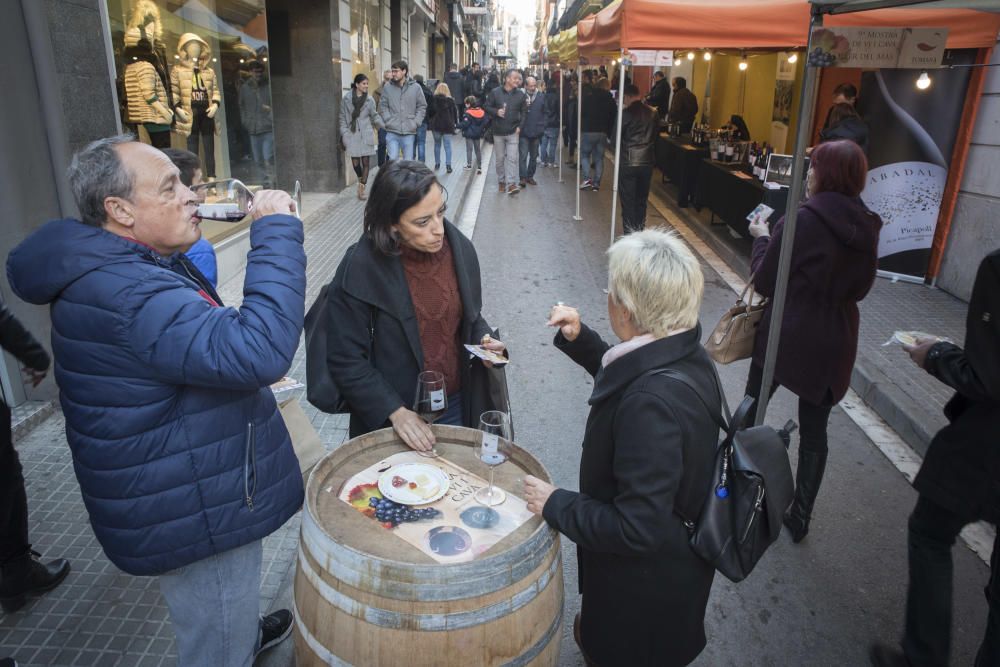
(474, 83)
(639, 128)
(455, 81)
(506, 106)
(598, 123)
(532, 129)
(420, 143)
(257, 118)
(443, 123)
(405, 299)
(570, 121)
(683, 105)
(183, 460)
(833, 267)
(659, 96)
(386, 80)
(403, 108)
(358, 123)
(550, 137)
(473, 126)
(647, 458)
(21, 572)
(957, 483)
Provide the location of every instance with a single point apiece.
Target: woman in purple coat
(833, 267)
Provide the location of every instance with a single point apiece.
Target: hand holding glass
(431, 402)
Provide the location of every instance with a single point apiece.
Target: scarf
(621, 349)
(359, 104)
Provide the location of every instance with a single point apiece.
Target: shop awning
(562, 47)
(700, 24)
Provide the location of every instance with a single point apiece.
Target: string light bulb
(690, 55)
(743, 63)
(793, 58)
(923, 81)
(708, 55)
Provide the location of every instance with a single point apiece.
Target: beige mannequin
(194, 54)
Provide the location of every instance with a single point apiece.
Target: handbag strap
(729, 423)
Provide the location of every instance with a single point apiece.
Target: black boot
(27, 575)
(808, 477)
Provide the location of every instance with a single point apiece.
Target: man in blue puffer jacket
(183, 460)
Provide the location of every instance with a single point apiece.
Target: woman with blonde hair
(444, 120)
(646, 462)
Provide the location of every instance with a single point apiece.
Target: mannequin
(147, 83)
(196, 96)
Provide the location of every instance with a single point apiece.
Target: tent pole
(559, 137)
(579, 121)
(618, 144)
(807, 100)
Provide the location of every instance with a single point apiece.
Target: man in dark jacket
(683, 106)
(957, 482)
(597, 124)
(21, 573)
(639, 125)
(506, 106)
(183, 459)
(659, 96)
(455, 81)
(531, 131)
(420, 142)
(474, 83)
(550, 137)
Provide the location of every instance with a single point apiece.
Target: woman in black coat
(647, 461)
(386, 320)
(833, 267)
(443, 123)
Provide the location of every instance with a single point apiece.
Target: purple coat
(833, 267)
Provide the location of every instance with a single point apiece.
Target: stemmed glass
(229, 200)
(431, 402)
(493, 448)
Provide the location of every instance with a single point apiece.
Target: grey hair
(96, 173)
(657, 279)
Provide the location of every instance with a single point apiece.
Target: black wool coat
(378, 376)
(962, 468)
(648, 453)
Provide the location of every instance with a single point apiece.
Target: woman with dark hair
(444, 120)
(359, 119)
(845, 123)
(405, 299)
(833, 267)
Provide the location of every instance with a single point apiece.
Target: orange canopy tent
(701, 24)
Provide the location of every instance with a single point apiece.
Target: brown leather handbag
(732, 339)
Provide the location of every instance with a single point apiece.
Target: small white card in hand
(437, 399)
(762, 213)
(487, 355)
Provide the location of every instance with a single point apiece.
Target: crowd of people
(185, 465)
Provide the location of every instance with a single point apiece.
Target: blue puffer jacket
(177, 442)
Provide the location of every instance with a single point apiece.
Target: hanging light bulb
(708, 55)
(743, 63)
(923, 81)
(690, 55)
(792, 58)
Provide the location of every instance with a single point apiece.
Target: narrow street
(817, 603)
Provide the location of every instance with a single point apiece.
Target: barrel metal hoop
(386, 618)
(539, 646)
(431, 583)
(322, 652)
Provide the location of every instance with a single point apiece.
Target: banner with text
(870, 48)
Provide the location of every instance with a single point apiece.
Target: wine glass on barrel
(431, 402)
(229, 200)
(493, 449)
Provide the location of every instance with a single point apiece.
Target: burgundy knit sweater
(438, 305)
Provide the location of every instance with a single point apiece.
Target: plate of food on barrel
(413, 484)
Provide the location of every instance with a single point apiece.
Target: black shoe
(448, 169)
(28, 576)
(808, 477)
(274, 629)
(437, 166)
(882, 655)
(8, 662)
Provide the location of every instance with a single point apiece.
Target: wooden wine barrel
(363, 596)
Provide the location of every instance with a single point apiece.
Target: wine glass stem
(491, 484)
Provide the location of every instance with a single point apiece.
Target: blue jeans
(262, 146)
(453, 415)
(548, 147)
(214, 606)
(399, 145)
(527, 151)
(420, 146)
(445, 138)
(592, 147)
(381, 147)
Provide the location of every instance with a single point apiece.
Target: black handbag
(321, 390)
(751, 489)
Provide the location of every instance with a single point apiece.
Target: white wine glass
(431, 401)
(493, 449)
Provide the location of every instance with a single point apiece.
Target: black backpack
(751, 489)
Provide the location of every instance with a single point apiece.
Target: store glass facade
(365, 33)
(206, 62)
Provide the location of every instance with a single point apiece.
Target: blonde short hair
(442, 89)
(657, 278)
